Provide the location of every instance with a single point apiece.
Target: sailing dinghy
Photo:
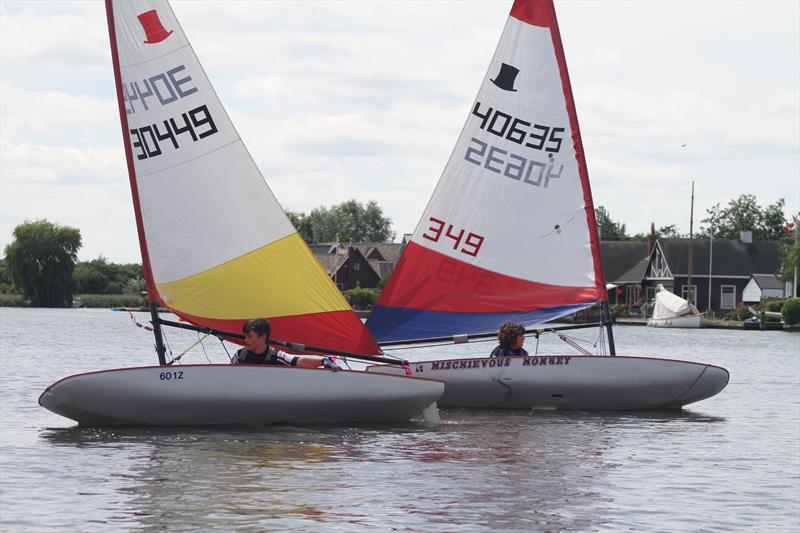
(510, 235)
(215, 267)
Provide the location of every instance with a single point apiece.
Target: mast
(691, 248)
(545, 12)
(152, 294)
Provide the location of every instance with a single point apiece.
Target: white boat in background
(216, 267)
(510, 235)
(672, 311)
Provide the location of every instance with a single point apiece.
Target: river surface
(729, 463)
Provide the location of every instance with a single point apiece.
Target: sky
(340, 100)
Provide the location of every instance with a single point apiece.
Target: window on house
(727, 297)
(684, 294)
(651, 293)
(356, 266)
(632, 293)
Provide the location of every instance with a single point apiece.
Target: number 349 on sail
(472, 242)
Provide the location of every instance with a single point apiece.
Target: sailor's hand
(327, 362)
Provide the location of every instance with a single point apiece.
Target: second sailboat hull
(236, 394)
(573, 382)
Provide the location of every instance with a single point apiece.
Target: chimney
(651, 239)
(746, 236)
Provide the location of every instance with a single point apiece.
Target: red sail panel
(428, 280)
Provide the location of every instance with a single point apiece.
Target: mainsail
(216, 246)
(509, 233)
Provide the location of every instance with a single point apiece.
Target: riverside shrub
(774, 305)
(361, 298)
(791, 311)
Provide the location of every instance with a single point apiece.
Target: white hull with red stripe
(237, 394)
(572, 382)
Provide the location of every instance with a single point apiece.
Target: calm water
(730, 463)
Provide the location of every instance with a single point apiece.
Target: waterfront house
(346, 265)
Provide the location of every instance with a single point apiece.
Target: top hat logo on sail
(152, 27)
(506, 77)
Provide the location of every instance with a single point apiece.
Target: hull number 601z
(169, 376)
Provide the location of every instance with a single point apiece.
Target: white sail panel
(198, 186)
(512, 183)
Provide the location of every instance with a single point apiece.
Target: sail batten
(217, 247)
(509, 232)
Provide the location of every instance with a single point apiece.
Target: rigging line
(574, 344)
(601, 341)
(137, 323)
(578, 339)
(203, 346)
(222, 342)
(198, 341)
(166, 343)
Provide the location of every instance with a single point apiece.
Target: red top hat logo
(152, 27)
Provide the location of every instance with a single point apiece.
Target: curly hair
(508, 334)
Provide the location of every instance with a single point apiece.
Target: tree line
(742, 213)
(41, 261)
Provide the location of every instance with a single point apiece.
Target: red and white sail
(216, 245)
(509, 233)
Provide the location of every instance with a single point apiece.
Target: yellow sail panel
(239, 289)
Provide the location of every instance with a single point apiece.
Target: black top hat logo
(152, 27)
(505, 78)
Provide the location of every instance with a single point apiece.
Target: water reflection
(499, 470)
(480, 470)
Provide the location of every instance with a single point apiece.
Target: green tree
(790, 251)
(745, 213)
(41, 260)
(302, 224)
(348, 221)
(668, 231)
(6, 286)
(91, 277)
(98, 276)
(607, 227)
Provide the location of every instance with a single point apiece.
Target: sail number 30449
(472, 241)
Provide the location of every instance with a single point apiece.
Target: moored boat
(672, 311)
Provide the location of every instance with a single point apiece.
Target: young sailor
(258, 352)
(511, 337)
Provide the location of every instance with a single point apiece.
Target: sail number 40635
(436, 232)
(169, 376)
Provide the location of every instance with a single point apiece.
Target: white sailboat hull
(573, 382)
(237, 394)
(684, 321)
